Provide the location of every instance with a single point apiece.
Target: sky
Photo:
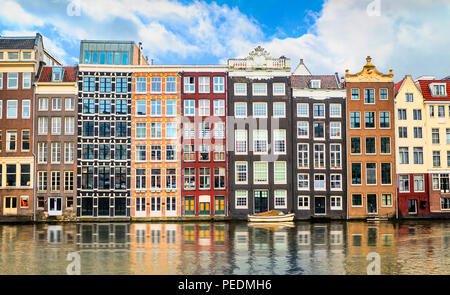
(408, 36)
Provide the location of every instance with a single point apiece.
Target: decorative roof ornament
(260, 60)
(369, 73)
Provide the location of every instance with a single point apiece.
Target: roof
(446, 78)
(301, 69)
(70, 74)
(18, 42)
(424, 87)
(326, 81)
(397, 86)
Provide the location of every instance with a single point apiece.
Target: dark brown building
(56, 140)
(319, 144)
(259, 127)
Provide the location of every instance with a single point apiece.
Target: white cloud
(410, 37)
(13, 13)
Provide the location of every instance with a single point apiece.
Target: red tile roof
(70, 74)
(397, 86)
(426, 92)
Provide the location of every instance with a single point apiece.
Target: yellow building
(412, 146)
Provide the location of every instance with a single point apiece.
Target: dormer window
(57, 74)
(13, 55)
(438, 89)
(315, 84)
(26, 55)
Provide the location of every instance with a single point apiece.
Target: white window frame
(275, 90)
(283, 115)
(255, 90)
(266, 172)
(204, 84)
(237, 91)
(254, 106)
(237, 197)
(235, 108)
(241, 163)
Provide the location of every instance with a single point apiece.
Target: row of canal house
(117, 137)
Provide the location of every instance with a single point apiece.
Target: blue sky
(408, 36)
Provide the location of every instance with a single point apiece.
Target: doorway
(261, 201)
(319, 205)
(55, 206)
(372, 207)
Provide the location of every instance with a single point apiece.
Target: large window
(319, 110)
(385, 145)
(156, 130)
(13, 80)
(203, 84)
(89, 84)
(189, 178)
(121, 129)
(355, 145)
(189, 84)
(369, 96)
(241, 141)
(189, 107)
(386, 173)
(141, 84)
(259, 89)
(219, 178)
(385, 120)
(279, 138)
(303, 181)
(369, 120)
(204, 178)
(261, 172)
(104, 177)
(280, 172)
(11, 109)
(319, 130)
(419, 183)
(240, 109)
(302, 156)
(319, 156)
(204, 107)
(219, 84)
(141, 180)
(156, 85)
(335, 155)
(105, 85)
(260, 141)
(104, 129)
(141, 107)
(355, 120)
(241, 172)
(302, 129)
(356, 173)
(156, 108)
(155, 179)
(120, 178)
(371, 173)
(219, 107)
(11, 141)
(403, 183)
(370, 145)
(260, 110)
(240, 89)
(403, 155)
(418, 155)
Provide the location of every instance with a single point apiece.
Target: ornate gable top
(369, 73)
(259, 59)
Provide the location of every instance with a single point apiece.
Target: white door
(54, 206)
(10, 206)
(155, 207)
(140, 207)
(171, 206)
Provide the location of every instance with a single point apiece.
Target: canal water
(419, 247)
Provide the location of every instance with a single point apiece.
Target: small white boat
(276, 218)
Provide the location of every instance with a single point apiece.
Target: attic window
(13, 55)
(315, 84)
(57, 74)
(26, 55)
(438, 89)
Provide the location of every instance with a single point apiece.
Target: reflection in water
(226, 248)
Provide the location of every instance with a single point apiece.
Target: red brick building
(204, 158)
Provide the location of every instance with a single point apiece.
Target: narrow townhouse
(371, 144)
(155, 141)
(412, 150)
(104, 128)
(21, 60)
(319, 144)
(56, 112)
(437, 115)
(260, 151)
(204, 161)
